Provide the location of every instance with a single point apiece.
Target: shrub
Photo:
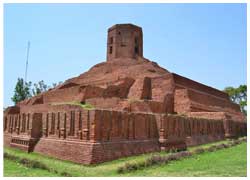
(199, 151)
(172, 150)
(220, 146)
(130, 167)
(120, 170)
(10, 157)
(244, 139)
(66, 174)
(28, 163)
(235, 142)
(156, 159)
(173, 157)
(225, 145)
(148, 162)
(211, 148)
(185, 154)
(34, 164)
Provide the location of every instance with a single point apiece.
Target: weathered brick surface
(124, 40)
(91, 136)
(146, 88)
(80, 152)
(113, 150)
(190, 84)
(6, 139)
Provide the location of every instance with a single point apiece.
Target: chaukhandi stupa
(125, 106)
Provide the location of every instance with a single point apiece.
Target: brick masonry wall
(92, 136)
(63, 95)
(161, 86)
(188, 101)
(107, 151)
(7, 139)
(190, 84)
(209, 100)
(79, 152)
(181, 101)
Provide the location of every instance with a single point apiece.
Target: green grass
(226, 162)
(13, 169)
(86, 106)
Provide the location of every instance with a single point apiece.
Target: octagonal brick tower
(124, 41)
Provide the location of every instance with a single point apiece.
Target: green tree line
(239, 96)
(24, 90)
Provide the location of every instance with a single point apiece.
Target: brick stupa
(136, 107)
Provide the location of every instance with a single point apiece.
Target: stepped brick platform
(138, 107)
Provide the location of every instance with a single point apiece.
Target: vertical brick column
(85, 125)
(95, 117)
(18, 124)
(106, 118)
(29, 123)
(131, 126)
(21, 123)
(58, 123)
(46, 129)
(124, 118)
(5, 123)
(50, 123)
(65, 125)
(77, 122)
(10, 123)
(15, 122)
(80, 125)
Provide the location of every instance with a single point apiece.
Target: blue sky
(204, 42)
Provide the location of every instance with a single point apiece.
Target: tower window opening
(136, 50)
(110, 50)
(111, 40)
(136, 40)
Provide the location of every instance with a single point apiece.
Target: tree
(239, 96)
(25, 90)
(42, 87)
(56, 84)
(22, 91)
(39, 88)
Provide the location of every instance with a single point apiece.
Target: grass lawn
(225, 162)
(14, 169)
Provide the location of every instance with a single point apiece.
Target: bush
(225, 145)
(172, 150)
(199, 151)
(130, 166)
(120, 170)
(237, 141)
(28, 162)
(234, 143)
(10, 157)
(148, 162)
(173, 157)
(66, 174)
(34, 164)
(157, 159)
(220, 146)
(244, 139)
(185, 154)
(211, 148)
